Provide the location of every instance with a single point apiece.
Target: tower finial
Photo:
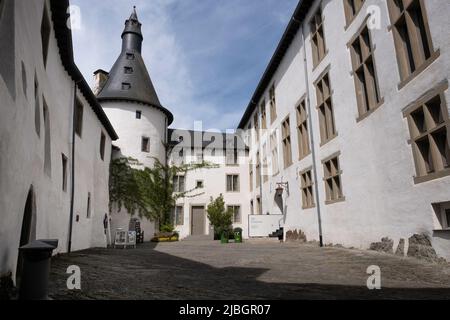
(134, 14)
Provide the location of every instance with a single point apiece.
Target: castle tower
(130, 101)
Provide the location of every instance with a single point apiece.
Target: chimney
(100, 78)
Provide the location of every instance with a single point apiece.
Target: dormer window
(130, 56)
(126, 86)
(128, 70)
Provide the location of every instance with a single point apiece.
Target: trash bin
(224, 237)
(238, 235)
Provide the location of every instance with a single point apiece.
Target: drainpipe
(260, 162)
(313, 149)
(72, 184)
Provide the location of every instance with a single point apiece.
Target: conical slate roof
(129, 79)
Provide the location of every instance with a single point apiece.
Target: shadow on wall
(145, 273)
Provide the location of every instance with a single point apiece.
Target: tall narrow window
(88, 213)
(307, 189)
(332, 178)
(258, 170)
(274, 153)
(128, 70)
(256, 125)
(37, 109)
(251, 175)
(352, 8)
(258, 206)
(364, 72)
(64, 173)
(24, 79)
(237, 218)
(233, 183)
(45, 34)
(429, 126)
(412, 36)
(265, 174)
(263, 115)
(178, 215)
(317, 38)
(102, 146)
(273, 104)
(325, 108)
(287, 149)
(138, 114)
(145, 144)
(78, 118)
(302, 130)
(47, 141)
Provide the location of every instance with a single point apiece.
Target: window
(352, 8)
(199, 184)
(258, 170)
(45, 35)
(37, 109)
(273, 104)
(145, 144)
(307, 189)
(236, 213)
(429, 127)
(78, 118)
(447, 216)
(265, 174)
(2, 3)
(138, 114)
(47, 141)
(102, 146)
(263, 115)
(126, 86)
(442, 211)
(251, 175)
(332, 178)
(411, 35)
(178, 184)
(178, 215)
(88, 213)
(302, 130)
(64, 173)
(130, 56)
(252, 208)
(256, 125)
(364, 72)
(317, 38)
(287, 149)
(258, 205)
(274, 147)
(24, 79)
(325, 108)
(128, 70)
(233, 183)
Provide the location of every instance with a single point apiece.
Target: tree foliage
(220, 218)
(149, 192)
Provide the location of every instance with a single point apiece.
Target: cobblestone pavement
(253, 270)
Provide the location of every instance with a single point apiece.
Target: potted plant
(220, 218)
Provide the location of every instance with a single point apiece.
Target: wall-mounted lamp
(280, 188)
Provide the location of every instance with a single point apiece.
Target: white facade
(381, 196)
(34, 138)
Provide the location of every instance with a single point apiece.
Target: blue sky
(205, 57)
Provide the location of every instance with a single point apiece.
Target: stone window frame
(368, 94)
(317, 41)
(286, 142)
(179, 183)
(304, 148)
(274, 153)
(233, 208)
(442, 212)
(307, 188)
(417, 52)
(351, 10)
(425, 130)
(178, 216)
(332, 173)
(325, 107)
(273, 104)
(46, 30)
(235, 185)
(145, 144)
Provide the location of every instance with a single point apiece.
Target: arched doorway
(28, 231)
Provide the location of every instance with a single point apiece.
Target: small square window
(126, 86)
(199, 184)
(128, 70)
(138, 114)
(145, 146)
(130, 56)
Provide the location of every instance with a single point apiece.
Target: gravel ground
(203, 269)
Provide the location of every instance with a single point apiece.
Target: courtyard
(199, 269)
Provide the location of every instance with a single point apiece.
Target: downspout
(72, 184)
(260, 162)
(313, 149)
